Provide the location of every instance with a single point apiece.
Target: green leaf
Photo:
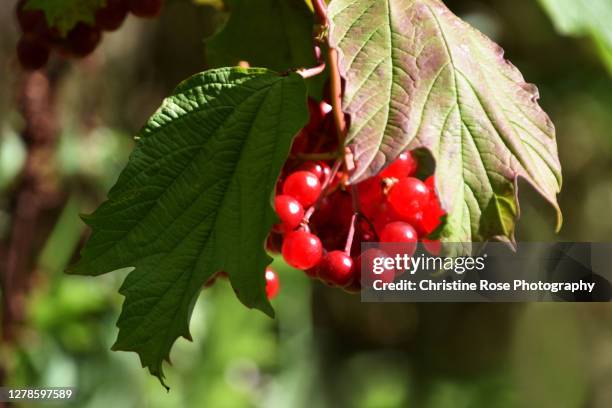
(584, 17)
(417, 76)
(194, 199)
(275, 34)
(65, 14)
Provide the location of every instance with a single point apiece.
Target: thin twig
(320, 9)
(311, 72)
(351, 234)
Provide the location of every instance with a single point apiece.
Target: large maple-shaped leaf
(194, 199)
(417, 76)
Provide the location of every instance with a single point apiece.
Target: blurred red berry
(32, 54)
(112, 15)
(272, 283)
(146, 8)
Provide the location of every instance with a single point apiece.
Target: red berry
(302, 250)
(408, 196)
(32, 54)
(317, 113)
(29, 20)
(404, 166)
(319, 169)
(370, 194)
(272, 283)
(303, 186)
(400, 232)
(336, 268)
(289, 210)
(433, 247)
(432, 216)
(430, 182)
(368, 262)
(274, 242)
(385, 215)
(112, 15)
(83, 39)
(146, 8)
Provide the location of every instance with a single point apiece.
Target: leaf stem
(351, 235)
(320, 9)
(311, 72)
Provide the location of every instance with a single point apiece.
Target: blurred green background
(325, 348)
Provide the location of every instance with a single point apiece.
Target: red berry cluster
(39, 39)
(320, 216)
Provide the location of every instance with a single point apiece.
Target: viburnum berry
(304, 186)
(32, 54)
(408, 196)
(336, 268)
(302, 250)
(370, 192)
(274, 242)
(83, 39)
(404, 166)
(432, 216)
(146, 8)
(289, 210)
(430, 182)
(365, 262)
(272, 283)
(400, 232)
(319, 169)
(112, 15)
(29, 20)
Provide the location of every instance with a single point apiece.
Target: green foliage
(584, 17)
(275, 34)
(194, 200)
(419, 77)
(65, 14)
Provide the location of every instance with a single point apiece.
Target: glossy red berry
(32, 54)
(146, 8)
(289, 210)
(319, 169)
(404, 166)
(83, 39)
(272, 283)
(304, 186)
(408, 195)
(400, 232)
(112, 15)
(302, 250)
(336, 268)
